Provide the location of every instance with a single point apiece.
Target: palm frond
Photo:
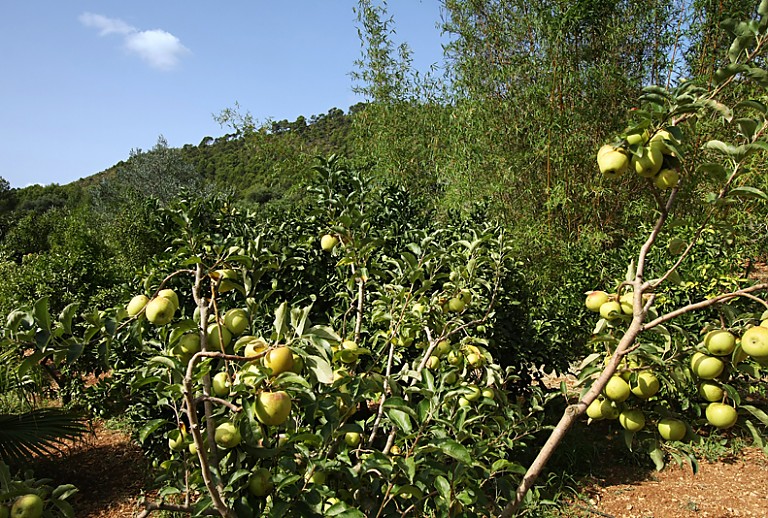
(38, 432)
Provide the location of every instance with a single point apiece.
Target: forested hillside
(460, 208)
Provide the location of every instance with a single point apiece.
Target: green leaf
(746, 192)
(321, 369)
(66, 316)
(721, 147)
(74, 352)
(754, 105)
(443, 487)
(400, 419)
(657, 456)
(163, 360)
(150, 428)
(759, 414)
(280, 324)
(455, 450)
(42, 314)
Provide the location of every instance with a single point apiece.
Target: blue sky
(84, 82)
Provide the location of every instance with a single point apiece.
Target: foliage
(54, 498)
(37, 432)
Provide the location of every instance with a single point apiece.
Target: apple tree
(655, 367)
(335, 362)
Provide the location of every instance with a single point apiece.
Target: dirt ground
(730, 487)
(110, 472)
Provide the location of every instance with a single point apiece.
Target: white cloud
(160, 49)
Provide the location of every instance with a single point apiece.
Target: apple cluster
(649, 155)
(29, 505)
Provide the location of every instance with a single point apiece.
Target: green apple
(666, 179)
(279, 360)
(227, 435)
(612, 161)
(160, 311)
(451, 378)
(455, 358)
(227, 279)
(260, 484)
(328, 242)
(433, 362)
(352, 439)
(474, 393)
(595, 299)
(170, 295)
(706, 367)
(136, 304)
(236, 320)
(649, 162)
(646, 384)
(254, 347)
(189, 343)
(672, 429)
(754, 342)
(617, 389)
(721, 415)
(660, 139)
(216, 340)
(720, 342)
(632, 420)
(272, 408)
(611, 310)
(27, 506)
(456, 305)
(602, 409)
(221, 384)
(298, 364)
(177, 440)
(488, 393)
(627, 301)
(711, 391)
(475, 360)
(442, 348)
(637, 138)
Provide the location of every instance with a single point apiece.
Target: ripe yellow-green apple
(328, 242)
(456, 305)
(645, 385)
(637, 138)
(464, 402)
(221, 384)
(627, 301)
(442, 348)
(433, 362)
(666, 179)
(254, 347)
(136, 304)
(450, 378)
(602, 409)
(617, 389)
(318, 477)
(706, 367)
(612, 161)
(227, 435)
(632, 419)
(216, 340)
(754, 342)
(721, 415)
(611, 310)
(466, 296)
(169, 294)
(672, 429)
(227, 278)
(659, 139)
(649, 163)
(711, 391)
(260, 484)
(189, 343)
(474, 393)
(249, 374)
(352, 439)
(236, 320)
(488, 393)
(764, 323)
(160, 311)
(595, 299)
(475, 360)
(192, 448)
(720, 342)
(177, 439)
(27, 506)
(298, 364)
(455, 358)
(279, 359)
(272, 408)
